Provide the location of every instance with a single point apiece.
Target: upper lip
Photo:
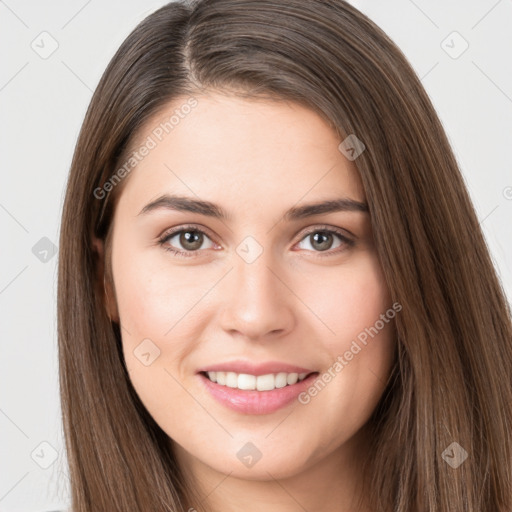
(256, 369)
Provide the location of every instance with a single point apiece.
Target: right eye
(190, 238)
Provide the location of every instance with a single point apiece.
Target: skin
(295, 303)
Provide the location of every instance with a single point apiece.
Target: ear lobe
(99, 261)
(97, 245)
(103, 288)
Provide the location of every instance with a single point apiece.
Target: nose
(257, 304)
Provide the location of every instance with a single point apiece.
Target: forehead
(248, 153)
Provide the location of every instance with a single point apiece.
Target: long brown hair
(452, 379)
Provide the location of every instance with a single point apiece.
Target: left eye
(323, 240)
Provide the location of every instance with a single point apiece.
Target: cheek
(349, 300)
(354, 303)
(159, 329)
(155, 299)
(359, 354)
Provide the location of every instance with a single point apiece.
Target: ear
(102, 286)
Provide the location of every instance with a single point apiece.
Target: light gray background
(42, 104)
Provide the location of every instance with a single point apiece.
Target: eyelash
(320, 229)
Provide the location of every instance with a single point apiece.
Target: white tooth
(292, 378)
(231, 379)
(281, 380)
(246, 381)
(265, 382)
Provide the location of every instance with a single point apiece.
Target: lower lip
(256, 402)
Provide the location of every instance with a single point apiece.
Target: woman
(274, 292)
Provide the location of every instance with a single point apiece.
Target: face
(284, 305)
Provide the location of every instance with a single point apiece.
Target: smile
(249, 388)
(245, 381)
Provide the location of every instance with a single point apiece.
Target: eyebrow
(188, 204)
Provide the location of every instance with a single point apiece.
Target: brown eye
(191, 240)
(185, 241)
(323, 240)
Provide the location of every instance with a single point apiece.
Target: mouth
(248, 382)
(256, 389)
